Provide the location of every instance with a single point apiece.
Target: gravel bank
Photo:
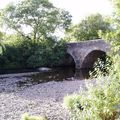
(43, 99)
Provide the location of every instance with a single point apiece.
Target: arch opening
(92, 57)
(69, 60)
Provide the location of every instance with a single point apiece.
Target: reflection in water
(61, 74)
(82, 74)
(57, 74)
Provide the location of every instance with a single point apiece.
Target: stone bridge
(86, 53)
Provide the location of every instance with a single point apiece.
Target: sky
(79, 9)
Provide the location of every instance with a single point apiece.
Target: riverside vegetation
(40, 46)
(99, 101)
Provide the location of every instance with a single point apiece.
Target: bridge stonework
(87, 52)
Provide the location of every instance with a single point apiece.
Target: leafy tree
(33, 43)
(88, 28)
(2, 46)
(35, 19)
(114, 36)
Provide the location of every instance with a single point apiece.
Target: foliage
(33, 43)
(101, 67)
(88, 28)
(114, 36)
(23, 53)
(72, 101)
(35, 19)
(27, 117)
(2, 47)
(48, 54)
(100, 101)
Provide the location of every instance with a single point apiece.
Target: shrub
(71, 102)
(47, 54)
(23, 53)
(102, 100)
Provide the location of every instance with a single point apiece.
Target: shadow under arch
(69, 60)
(92, 57)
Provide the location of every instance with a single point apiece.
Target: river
(54, 74)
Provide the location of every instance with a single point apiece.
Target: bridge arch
(92, 57)
(70, 61)
(87, 52)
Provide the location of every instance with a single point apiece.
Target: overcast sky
(78, 8)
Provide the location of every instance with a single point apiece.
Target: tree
(35, 19)
(114, 36)
(88, 28)
(2, 46)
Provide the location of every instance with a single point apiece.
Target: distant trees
(88, 28)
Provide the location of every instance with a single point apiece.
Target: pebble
(43, 99)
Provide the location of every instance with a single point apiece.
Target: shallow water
(56, 74)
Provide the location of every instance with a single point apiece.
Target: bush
(47, 54)
(23, 53)
(102, 100)
(72, 102)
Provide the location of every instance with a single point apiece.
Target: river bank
(42, 99)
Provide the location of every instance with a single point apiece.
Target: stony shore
(42, 99)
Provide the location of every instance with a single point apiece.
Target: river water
(63, 73)
(54, 74)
